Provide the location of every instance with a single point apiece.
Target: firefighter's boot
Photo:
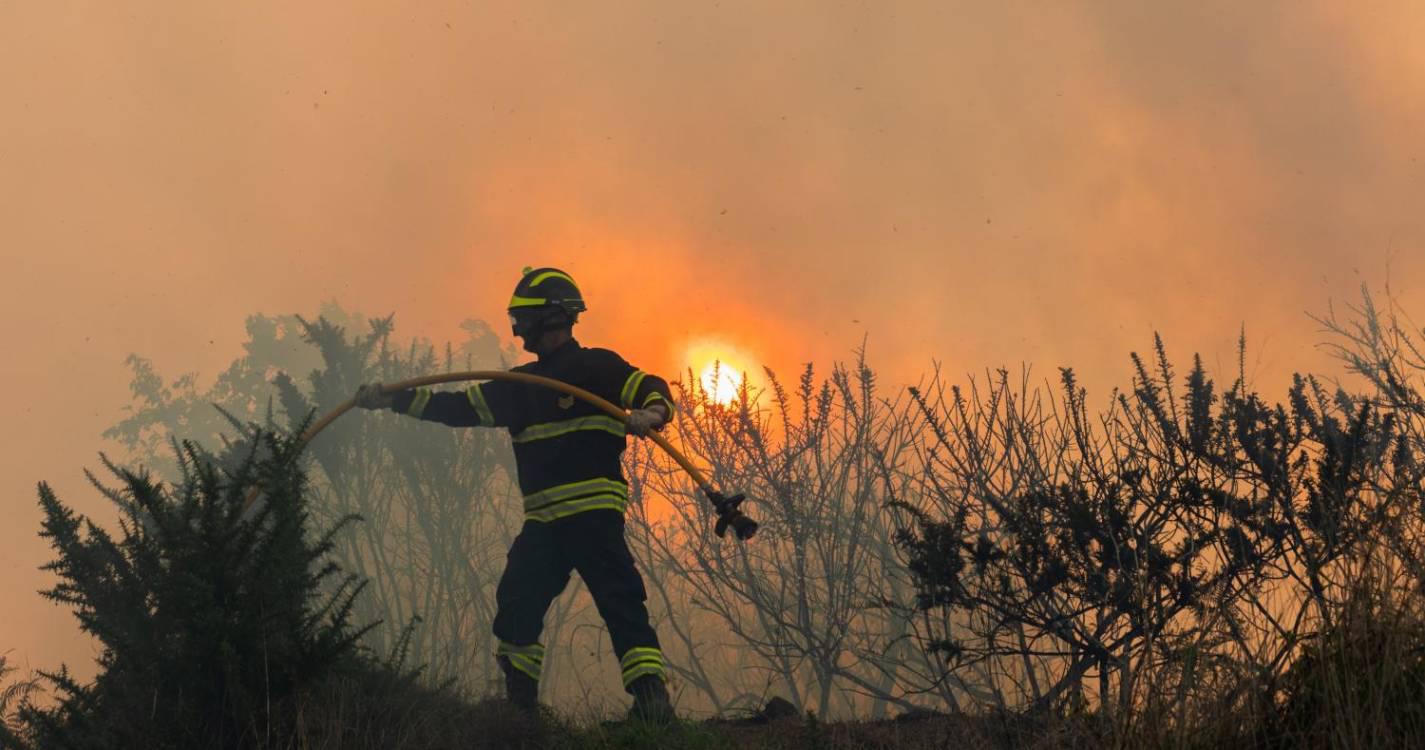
(650, 700)
(521, 689)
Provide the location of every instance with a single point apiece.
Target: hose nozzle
(729, 515)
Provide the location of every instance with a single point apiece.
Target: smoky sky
(969, 184)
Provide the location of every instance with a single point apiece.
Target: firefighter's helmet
(545, 299)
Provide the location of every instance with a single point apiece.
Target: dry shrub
(1361, 681)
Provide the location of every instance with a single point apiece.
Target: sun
(721, 382)
(719, 368)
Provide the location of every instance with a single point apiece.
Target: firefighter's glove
(640, 422)
(370, 396)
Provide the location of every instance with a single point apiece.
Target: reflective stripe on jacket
(569, 453)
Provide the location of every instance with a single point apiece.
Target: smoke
(974, 183)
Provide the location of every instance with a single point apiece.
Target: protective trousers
(537, 571)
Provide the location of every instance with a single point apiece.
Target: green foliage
(208, 622)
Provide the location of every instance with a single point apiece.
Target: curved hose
(728, 514)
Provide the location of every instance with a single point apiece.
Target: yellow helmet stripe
(552, 274)
(518, 301)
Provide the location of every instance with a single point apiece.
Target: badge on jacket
(565, 402)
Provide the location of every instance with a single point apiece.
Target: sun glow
(720, 369)
(721, 382)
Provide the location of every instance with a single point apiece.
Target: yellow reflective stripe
(620, 497)
(642, 652)
(656, 396)
(574, 489)
(535, 650)
(418, 403)
(642, 669)
(630, 387)
(640, 656)
(482, 408)
(534, 662)
(652, 661)
(525, 664)
(554, 274)
(555, 429)
(629, 677)
(534, 503)
(527, 301)
(518, 301)
(559, 510)
(528, 659)
(576, 497)
(638, 662)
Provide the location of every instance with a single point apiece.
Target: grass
(371, 707)
(1359, 683)
(405, 723)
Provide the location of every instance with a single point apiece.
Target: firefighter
(568, 456)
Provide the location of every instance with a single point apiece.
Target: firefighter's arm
(650, 402)
(640, 422)
(652, 393)
(468, 408)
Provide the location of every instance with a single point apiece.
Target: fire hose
(726, 506)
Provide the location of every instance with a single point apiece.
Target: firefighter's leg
(604, 562)
(536, 571)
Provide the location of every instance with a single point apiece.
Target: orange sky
(974, 183)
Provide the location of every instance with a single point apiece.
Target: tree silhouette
(208, 623)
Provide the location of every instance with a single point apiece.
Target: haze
(979, 184)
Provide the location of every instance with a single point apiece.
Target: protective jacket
(568, 453)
